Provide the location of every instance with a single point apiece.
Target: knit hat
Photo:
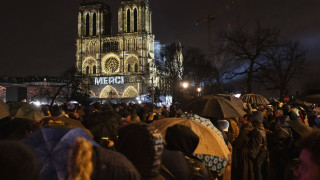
(223, 125)
(257, 117)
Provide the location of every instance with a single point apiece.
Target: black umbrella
(104, 125)
(214, 106)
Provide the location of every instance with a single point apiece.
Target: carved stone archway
(130, 92)
(109, 92)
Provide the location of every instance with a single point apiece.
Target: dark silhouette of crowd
(119, 141)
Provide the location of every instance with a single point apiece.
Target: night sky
(38, 36)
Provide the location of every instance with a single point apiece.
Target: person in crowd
(223, 126)
(132, 118)
(241, 166)
(279, 143)
(233, 131)
(173, 111)
(258, 147)
(18, 162)
(87, 162)
(142, 144)
(309, 168)
(178, 156)
(298, 129)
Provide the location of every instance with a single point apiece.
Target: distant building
(41, 89)
(120, 65)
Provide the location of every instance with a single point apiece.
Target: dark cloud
(38, 37)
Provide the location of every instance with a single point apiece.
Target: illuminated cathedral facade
(121, 64)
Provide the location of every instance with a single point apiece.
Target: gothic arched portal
(130, 92)
(109, 92)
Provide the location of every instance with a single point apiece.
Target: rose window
(112, 65)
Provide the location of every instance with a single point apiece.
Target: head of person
(142, 144)
(246, 118)
(257, 117)
(223, 125)
(18, 161)
(309, 168)
(181, 138)
(278, 113)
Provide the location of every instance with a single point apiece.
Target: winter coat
(258, 151)
(241, 166)
(142, 144)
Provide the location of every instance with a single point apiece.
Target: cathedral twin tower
(120, 65)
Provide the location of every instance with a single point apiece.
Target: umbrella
(104, 124)
(233, 99)
(4, 109)
(214, 106)
(254, 99)
(210, 143)
(14, 107)
(214, 163)
(52, 146)
(63, 122)
(28, 111)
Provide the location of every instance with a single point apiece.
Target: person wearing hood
(241, 166)
(279, 143)
(258, 146)
(223, 126)
(178, 156)
(142, 144)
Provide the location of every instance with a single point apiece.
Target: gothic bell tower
(134, 16)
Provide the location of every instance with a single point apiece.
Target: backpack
(197, 169)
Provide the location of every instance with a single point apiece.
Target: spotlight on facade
(199, 89)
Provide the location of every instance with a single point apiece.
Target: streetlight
(199, 90)
(185, 85)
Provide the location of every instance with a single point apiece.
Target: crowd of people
(118, 141)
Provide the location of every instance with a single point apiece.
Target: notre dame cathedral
(122, 64)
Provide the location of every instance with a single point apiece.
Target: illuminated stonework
(129, 52)
(130, 92)
(109, 92)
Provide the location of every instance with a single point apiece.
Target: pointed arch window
(135, 67)
(128, 20)
(94, 24)
(135, 20)
(104, 49)
(94, 71)
(87, 24)
(87, 70)
(129, 67)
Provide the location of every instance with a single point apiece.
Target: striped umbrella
(254, 99)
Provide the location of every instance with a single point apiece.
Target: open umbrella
(254, 99)
(214, 163)
(214, 106)
(233, 99)
(210, 143)
(28, 111)
(63, 122)
(14, 106)
(52, 146)
(104, 124)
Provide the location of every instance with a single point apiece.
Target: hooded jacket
(142, 144)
